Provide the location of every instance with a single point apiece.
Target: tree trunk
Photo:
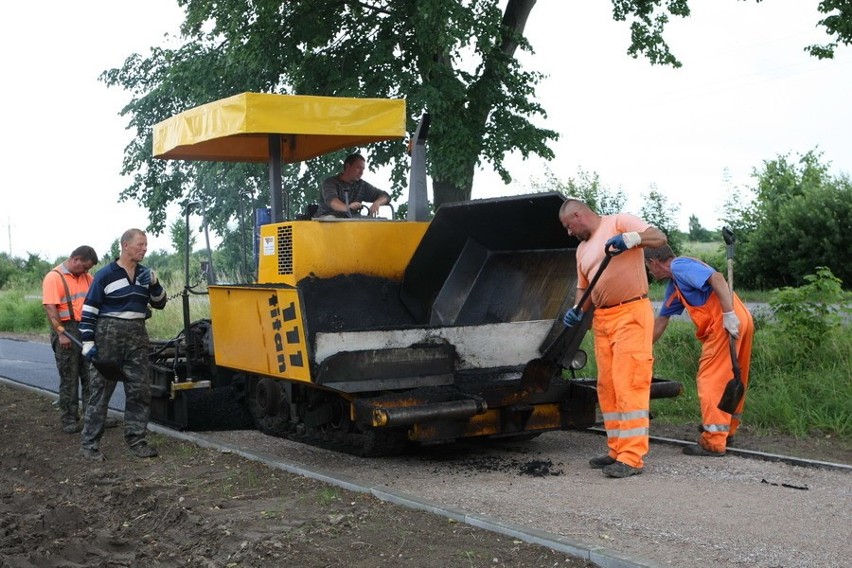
(448, 192)
(481, 94)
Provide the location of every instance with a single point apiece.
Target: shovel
(553, 351)
(111, 370)
(735, 389)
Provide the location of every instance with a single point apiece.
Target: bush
(806, 315)
(21, 313)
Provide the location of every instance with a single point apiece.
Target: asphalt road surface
(33, 364)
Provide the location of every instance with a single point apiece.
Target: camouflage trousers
(73, 375)
(124, 342)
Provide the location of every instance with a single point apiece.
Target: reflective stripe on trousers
(623, 337)
(715, 369)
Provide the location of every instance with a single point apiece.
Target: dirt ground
(197, 507)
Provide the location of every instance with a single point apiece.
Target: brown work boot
(621, 469)
(143, 450)
(93, 454)
(601, 462)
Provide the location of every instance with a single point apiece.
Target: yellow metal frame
(294, 250)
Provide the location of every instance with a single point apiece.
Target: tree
(798, 220)
(179, 234)
(657, 211)
(697, 232)
(454, 58)
(586, 187)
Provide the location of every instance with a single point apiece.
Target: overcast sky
(747, 92)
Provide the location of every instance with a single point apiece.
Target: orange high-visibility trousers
(623, 338)
(715, 369)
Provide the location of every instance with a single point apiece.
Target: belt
(636, 299)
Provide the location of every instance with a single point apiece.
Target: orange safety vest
(61, 289)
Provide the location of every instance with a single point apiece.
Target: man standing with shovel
(63, 291)
(113, 330)
(720, 318)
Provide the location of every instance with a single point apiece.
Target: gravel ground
(684, 511)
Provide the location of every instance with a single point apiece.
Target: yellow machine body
(260, 330)
(291, 251)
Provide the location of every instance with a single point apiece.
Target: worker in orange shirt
(717, 314)
(63, 291)
(622, 325)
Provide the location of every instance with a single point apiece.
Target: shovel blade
(110, 370)
(732, 396)
(537, 375)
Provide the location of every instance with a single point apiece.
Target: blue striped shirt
(113, 295)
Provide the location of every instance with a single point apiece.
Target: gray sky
(747, 92)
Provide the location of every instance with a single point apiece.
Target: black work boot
(601, 461)
(699, 450)
(143, 450)
(621, 469)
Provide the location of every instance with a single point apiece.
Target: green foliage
(699, 233)
(711, 253)
(586, 187)
(787, 392)
(21, 312)
(8, 267)
(20, 274)
(179, 234)
(657, 211)
(798, 218)
(113, 254)
(390, 49)
(837, 24)
(807, 315)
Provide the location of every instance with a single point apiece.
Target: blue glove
(622, 242)
(147, 278)
(144, 277)
(573, 317)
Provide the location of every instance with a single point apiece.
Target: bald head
(578, 218)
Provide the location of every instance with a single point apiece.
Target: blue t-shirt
(692, 277)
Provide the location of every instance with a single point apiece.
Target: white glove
(631, 239)
(731, 323)
(87, 347)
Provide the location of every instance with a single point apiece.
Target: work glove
(89, 350)
(731, 323)
(573, 317)
(624, 241)
(147, 278)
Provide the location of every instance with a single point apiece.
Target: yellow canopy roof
(237, 129)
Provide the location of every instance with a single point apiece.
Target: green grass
(790, 390)
(22, 312)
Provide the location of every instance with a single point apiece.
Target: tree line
(795, 218)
